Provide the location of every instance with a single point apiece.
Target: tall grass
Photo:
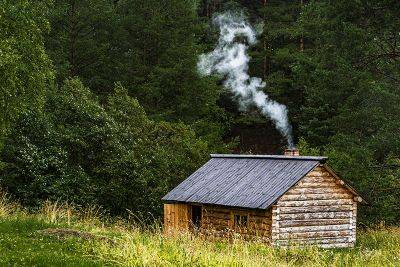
(142, 244)
(7, 206)
(65, 213)
(135, 248)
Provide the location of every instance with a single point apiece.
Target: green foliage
(160, 67)
(344, 72)
(149, 47)
(150, 158)
(306, 150)
(25, 70)
(376, 180)
(335, 64)
(277, 52)
(351, 110)
(115, 157)
(80, 42)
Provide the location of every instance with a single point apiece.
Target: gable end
(319, 176)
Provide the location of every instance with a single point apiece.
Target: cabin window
(240, 220)
(196, 216)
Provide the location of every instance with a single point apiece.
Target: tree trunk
(265, 68)
(72, 38)
(301, 38)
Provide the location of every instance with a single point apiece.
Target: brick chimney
(292, 152)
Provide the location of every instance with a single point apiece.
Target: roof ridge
(282, 157)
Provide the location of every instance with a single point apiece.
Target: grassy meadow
(61, 235)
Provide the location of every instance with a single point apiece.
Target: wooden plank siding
(317, 210)
(176, 218)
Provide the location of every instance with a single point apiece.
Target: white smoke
(230, 59)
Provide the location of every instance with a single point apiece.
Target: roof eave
(349, 187)
(212, 204)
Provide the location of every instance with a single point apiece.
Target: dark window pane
(240, 220)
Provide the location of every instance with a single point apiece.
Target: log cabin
(282, 199)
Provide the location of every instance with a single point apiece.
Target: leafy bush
(25, 69)
(113, 156)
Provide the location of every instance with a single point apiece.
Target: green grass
(22, 244)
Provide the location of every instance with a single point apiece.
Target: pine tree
(350, 70)
(81, 42)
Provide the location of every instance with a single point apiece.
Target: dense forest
(102, 102)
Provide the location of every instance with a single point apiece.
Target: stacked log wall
(219, 221)
(317, 210)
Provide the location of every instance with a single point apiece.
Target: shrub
(112, 156)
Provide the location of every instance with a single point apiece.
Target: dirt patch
(63, 233)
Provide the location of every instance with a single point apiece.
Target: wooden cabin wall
(219, 221)
(176, 218)
(317, 210)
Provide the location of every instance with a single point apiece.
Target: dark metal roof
(248, 181)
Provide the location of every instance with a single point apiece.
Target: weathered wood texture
(317, 210)
(176, 218)
(219, 221)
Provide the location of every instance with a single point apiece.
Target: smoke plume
(230, 60)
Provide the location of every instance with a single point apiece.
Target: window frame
(241, 214)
